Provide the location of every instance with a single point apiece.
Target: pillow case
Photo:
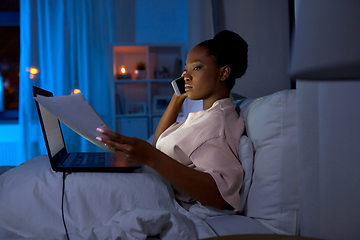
(246, 157)
(271, 126)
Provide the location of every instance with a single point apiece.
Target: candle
(122, 73)
(122, 70)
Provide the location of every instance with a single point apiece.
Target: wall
(144, 21)
(265, 26)
(161, 21)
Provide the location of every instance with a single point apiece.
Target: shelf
(143, 99)
(123, 81)
(131, 115)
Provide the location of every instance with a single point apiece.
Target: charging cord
(62, 204)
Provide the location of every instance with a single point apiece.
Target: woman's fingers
(114, 140)
(130, 148)
(113, 135)
(117, 142)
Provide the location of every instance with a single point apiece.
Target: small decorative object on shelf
(140, 70)
(136, 108)
(123, 74)
(161, 72)
(160, 103)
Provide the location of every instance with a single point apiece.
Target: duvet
(95, 206)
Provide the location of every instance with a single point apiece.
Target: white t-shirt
(208, 141)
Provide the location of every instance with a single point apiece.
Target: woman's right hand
(177, 100)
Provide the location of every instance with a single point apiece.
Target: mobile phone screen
(179, 86)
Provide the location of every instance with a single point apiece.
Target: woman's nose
(186, 76)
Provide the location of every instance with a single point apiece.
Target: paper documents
(76, 113)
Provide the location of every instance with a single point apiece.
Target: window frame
(10, 18)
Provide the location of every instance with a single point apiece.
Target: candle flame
(122, 69)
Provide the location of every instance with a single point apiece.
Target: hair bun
(232, 50)
(226, 35)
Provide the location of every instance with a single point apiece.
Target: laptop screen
(53, 131)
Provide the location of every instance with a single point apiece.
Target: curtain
(199, 28)
(199, 22)
(69, 42)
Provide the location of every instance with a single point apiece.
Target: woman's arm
(196, 184)
(170, 115)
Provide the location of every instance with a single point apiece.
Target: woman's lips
(187, 87)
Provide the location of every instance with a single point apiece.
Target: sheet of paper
(76, 113)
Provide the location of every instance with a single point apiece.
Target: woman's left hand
(130, 149)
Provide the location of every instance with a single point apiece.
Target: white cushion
(246, 156)
(271, 126)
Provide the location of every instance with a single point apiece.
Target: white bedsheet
(96, 206)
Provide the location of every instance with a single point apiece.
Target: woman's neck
(208, 103)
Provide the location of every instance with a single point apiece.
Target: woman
(198, 156)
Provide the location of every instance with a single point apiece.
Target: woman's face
(202, 78)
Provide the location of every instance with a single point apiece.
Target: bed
(96, 205)
(142, 206)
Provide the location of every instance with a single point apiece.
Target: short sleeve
(216, 158)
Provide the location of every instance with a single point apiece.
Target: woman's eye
(197, 68)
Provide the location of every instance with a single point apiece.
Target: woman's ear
(225, 72)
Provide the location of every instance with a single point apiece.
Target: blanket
(96, 206)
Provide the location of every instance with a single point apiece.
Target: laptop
(61, 160)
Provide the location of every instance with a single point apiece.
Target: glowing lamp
(34, 71)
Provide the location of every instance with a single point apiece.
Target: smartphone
(179, 86)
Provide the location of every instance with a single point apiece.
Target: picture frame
(136, 108)
(160, 103)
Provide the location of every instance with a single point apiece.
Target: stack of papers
(76, 113)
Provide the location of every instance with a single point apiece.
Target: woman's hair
(229, 48)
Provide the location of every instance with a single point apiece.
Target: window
(9, 59)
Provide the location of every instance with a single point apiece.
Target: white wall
(265, 26)
(161, 21)
(146, 21)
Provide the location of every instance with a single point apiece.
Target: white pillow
(271, 126)
(246, 157)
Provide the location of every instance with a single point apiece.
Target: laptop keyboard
(89, 160)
